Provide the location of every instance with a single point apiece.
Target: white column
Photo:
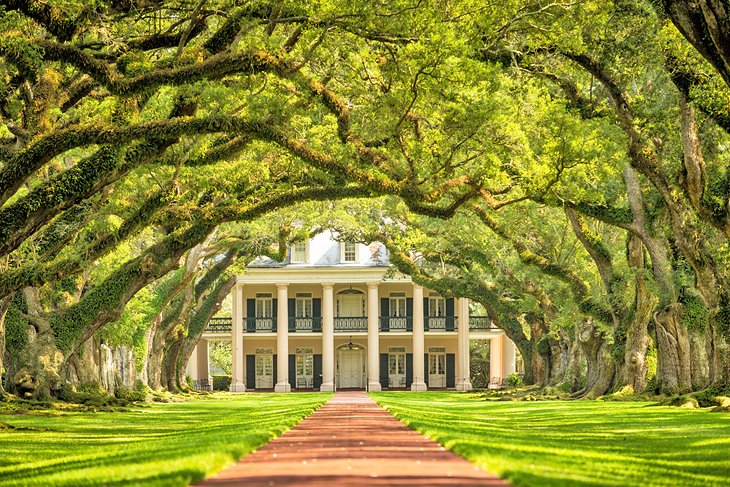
(328, 338)
(192, 368)
(463, 380)
(282, 340)
(419, 383)
(373, 338)
(508, 356)
(202, 358)
(495, 357)
(237, 382)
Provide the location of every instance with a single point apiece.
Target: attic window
(299, 253)
(349, 252)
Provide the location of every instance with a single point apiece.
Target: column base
(464, 386)
(237, 387)
(419, 386)
(374, 386)
(282, 387)
(327, 387)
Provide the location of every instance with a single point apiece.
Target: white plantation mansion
(334, 316)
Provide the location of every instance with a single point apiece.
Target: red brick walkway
(351, 441)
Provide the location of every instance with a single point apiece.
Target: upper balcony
(352, 324)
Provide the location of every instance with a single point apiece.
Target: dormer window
(349, 252)
(299, 253)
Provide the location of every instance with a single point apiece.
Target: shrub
(221, 382)
(514, 379)
(129, 394)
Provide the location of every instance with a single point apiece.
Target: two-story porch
(330, 328)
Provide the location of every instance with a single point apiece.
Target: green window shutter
(426, 314)
(425, 368)
(293, 370)
(384, 370)
(409, 370)
(450, 370)
(292, 306)
(250, 315)
(250, 371)
(317, 382)
(276, 370)
(384, 311)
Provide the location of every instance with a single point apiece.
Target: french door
(437, 367)
(264, 368)
(396, 367)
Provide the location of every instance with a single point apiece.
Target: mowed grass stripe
(573, 443)
(161, 444)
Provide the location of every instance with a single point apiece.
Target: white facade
(338, 317)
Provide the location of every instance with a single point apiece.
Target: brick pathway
(351, 441)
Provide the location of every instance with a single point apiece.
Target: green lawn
(160, 444)
(571, 443)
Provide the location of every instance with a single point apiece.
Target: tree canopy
(564, 165)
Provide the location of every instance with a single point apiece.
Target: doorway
(351, 366)
(436, 367)
(396, 367)
(264, 368)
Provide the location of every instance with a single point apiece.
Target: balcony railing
(352, 323)
(440, 323)
(261, 325)
(219, 325)
(396, 323)
(299, 324)
(480, 323)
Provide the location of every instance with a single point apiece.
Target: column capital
(282, 285)
(417, 286)
(328, 285)
(373, 285)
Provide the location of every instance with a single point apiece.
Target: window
(436, 364)
(303, 305)
(397, 305)
(305, 362)
(299, 253)
(349, 252)
(436, 306)
(264, 305)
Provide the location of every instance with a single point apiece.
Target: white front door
(351, 369)
(264, 371)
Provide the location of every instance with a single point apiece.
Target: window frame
(294, 256)
(344, 251)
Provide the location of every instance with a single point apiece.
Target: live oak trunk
(34, 368)
(634, 370)
(601, 368)
(4, 305)
(541, 355)
(674, 368)
(567, 373)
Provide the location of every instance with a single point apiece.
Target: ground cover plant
(158, 444)
(571, 443)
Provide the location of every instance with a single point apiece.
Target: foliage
(514, 379)
(221, 382)
(220, 355)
